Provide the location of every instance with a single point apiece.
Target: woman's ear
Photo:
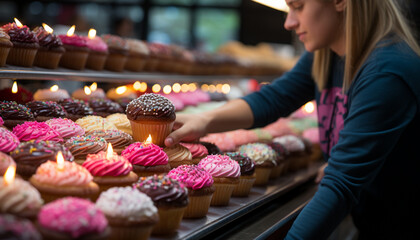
(340, 5)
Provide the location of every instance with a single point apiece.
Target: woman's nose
(291, 22)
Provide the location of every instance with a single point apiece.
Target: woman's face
(317, 23)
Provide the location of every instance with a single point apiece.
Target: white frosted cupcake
(92, 123)
(121, 121)
(48, 95)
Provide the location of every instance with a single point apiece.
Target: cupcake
(14, 114)
(248, 175)
(98, 51)
(45, 110)
(118, 52)
(147, 159)
(1, 122)
(5, 46)
(119, 139)
(226, 174)
(75, 108)
(25, 45)
(171, 199)
(120, 121)
(29, 155)
(296, 148)
(138, 52)
(22, 96)
(92, 123)
(151, 114)
(55, 181)
(198, 151)
(76, 53)
(49, 95)
(281, 160)
(178, 155)
(130, 213)
(5, 162)
(81, 146)
(13, 227)
(81, 94)
(104, 107)
(265, 160)
(200, 188)
(182, 60)
(8, 141)
(36, 131)
(115, 95)
(211, 148)
(50, 48)
(66, 128)
(312, 135)
(72, 218)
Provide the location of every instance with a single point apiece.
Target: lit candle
(70, 32)
(60, 161)
(14, 87)
(87, 90)
(148, 140)
(120, 90)
(93, 87)
(92, 33)
(9, 175)
(109, 152)
(156, 88)
(47, 28)
(18, 23)
(54, 88)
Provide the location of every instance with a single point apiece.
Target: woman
(361, 65)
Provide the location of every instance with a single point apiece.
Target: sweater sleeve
(284, 95)
(381, 106)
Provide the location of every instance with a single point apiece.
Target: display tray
(238, 207)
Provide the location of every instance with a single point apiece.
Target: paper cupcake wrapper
(138, 232)
(169, 220)
(222, 194)
(277, 171)
(158, 131)
(74, 60)
(198, 206)
(47, 59)
(263, 174)
(21, 56)
(96, 61)
(244, 186)
(115, 62)
(4, 52)
(135, 63)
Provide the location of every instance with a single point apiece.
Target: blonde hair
(366, 23)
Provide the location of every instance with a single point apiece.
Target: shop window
(169, 25)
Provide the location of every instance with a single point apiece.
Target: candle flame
(18, 23)
(193, 87)
(14, 87)
(87, 90)
(137, 86)
(143, 87)
(93, 87)
(60, 161)
(9, 176)
(309, 107)
(167, 89)
(121, 90)
(70, 32)
(92, 33)
(148, 140)
(156, 88)
(109, 152)
(54, 88)
(47, 28)
(185, 87)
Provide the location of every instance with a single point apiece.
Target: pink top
(5, 162)
(220, 166)
(8, 140)
(72, 174)
(74, 40)
(1, 121)
(36, 131)
(96, 44)
(65, 127)
(73, 216)
(145, 154)
(192, 176)
(312, 134)
(98, 165)
(196, 149)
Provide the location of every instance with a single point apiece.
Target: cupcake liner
(244, 186)
(316, 154)
(198, 206)
(96, 61)
(169, 220)
(115, 62)
(135, 63)
(277, 171)
(4, 52)
(151, 64)
(47, 59)
(21, 56)
(74, 60)
(263, 174)
(138, 232)
(222, 194)
(159, 131)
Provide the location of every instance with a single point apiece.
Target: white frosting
(259, 152)
(121, 121)
(91, 123)
(48, 95)
(291, 143)
(18, 197)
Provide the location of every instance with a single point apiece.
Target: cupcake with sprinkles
(92, 123)
(119, 139)
(66, 128)
(248, 176)
(198, 151)
(298, 157)
(36, 131)
(5, 162)
(81, 146)
(171, 199)
(121, 121)
(151, 114)
(14, 114)
(178, 155)
(45, 110)
(8, 141)
(75, 108)
(200, 188)
(17, 228)
(50, 48)
(104, 107)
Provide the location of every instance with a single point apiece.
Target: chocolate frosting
(47, 109)
(105, 106)
(281, 151)
(14, 111)
(23, 34)
(46, 39)
(163, 190)
(76, 107)
(81, 146)
(151, 106)
(246, 164)
(211, 148)
(117, 138)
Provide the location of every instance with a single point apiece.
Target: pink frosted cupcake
(178, 155)
(198, 151)
(1, 122)
(48, 95)
(5, 162)
(200, 188)
(226, 174)
(36, 131)
(98, 51)
(81, 146)
(65, 127)
(248, 175)
(76, 53)
(147, 159)
(72, 218)
(8, 141)
(17, 228)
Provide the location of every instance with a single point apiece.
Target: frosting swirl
(81, 146)
(117, 138)
(65, 127)
(96, 44)
(192, 176)
(246, 164)
(46, 109)
(98, 165)
(121, 121)
(18, 197)
(73, 40)
(259, 152)
(115, 42)
(72, 175)
(145, 154)
(150, 106)
(13, 110)
(36, 131)
(92, 123)
(20, 34)
(105, 106)
(178, 153)
(46, 39)
(8, 140)
(220, 166)
(196, 149)
(76, 107)
(5, 162)
(291, 143)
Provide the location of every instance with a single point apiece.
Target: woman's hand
(321, 173)
(187, 127)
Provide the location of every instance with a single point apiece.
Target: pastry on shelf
(76, 53)
(50, 48)
(5, 46)
(118, 52)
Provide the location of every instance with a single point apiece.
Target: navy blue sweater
(370, 135)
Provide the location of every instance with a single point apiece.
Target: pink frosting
(8, 140)
(5, 162)
(145, 154)
(192, 176)
(72, 174)
(96, 44)
(99, 165)
(196, 149)
(36, 131)
(73, 216)
(74, 40)
(65, 127)
(312, 134)
(1, 121)
(220, 166)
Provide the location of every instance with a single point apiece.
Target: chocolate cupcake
(81, 146)
(151, 114)
(248, 175)
(14, 114)
(50, 49)
(211, 148)
(13, 227)
(118, 52)
(29, 155)
(75, 108)
(138, 55)
(22, 96)
(45, 110)
(119, 139)
(5, 46)
(281, 160)
(104, 107)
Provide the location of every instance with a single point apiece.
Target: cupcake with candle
(25, 44)
(14, 114)
(138, 53)
(171, 199)
(119, 139)
(8, 141)
(131, 214)
(198, 151)
(151, 114)
(29, 155)
(5, 46)
(72, 218)
(16, 93)
(36, 131)
(75, 108)
(88, 93)
(66, 128)
(178, 155)
(45, 110)
(226, 174)
(81, 146)
(118, 52)
(50, 48)
(248, 175)
(51, 94)
(5, 162)
(104, 107)
(17, 228)
(200, 188)
(92, 123)
(122, 92)
(76, 53)
(98, 51)
(120, 121)
(147, 159)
